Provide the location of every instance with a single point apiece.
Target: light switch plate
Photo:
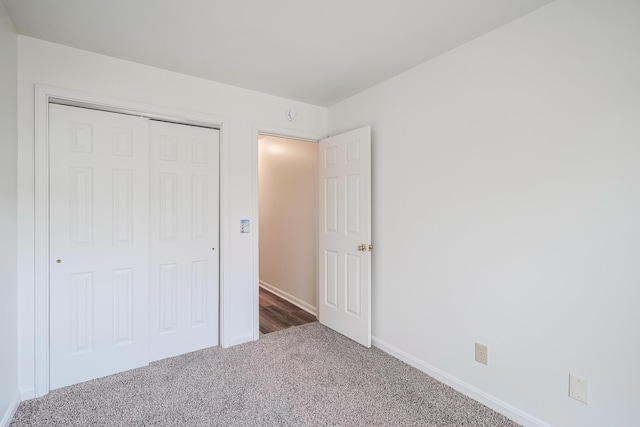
(578, 388)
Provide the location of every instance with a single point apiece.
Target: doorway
(288, 217)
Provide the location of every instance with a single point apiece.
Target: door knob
(362, 247)
(58, 261)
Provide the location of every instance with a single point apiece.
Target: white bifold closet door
(184, 238)
(99, 244)
(133, 242)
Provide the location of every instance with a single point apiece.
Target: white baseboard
(288, 297)
(238, 341)
(27, 394)
(7, 417)
(474, 393)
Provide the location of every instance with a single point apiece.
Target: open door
(345, 234)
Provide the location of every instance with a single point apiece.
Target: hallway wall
(288, 173)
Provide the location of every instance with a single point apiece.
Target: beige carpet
(304, 376)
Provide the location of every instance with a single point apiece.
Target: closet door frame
(45, 95)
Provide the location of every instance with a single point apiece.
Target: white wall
(244, 113)
(506, 210)
(288, 180)
(9, 396)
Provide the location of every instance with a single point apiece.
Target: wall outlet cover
(578, 388)
(482, 354)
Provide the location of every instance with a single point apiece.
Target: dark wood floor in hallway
(277, 314)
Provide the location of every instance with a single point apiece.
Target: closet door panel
(99, 244)
(184, 163)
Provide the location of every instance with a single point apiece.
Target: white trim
(43, 95)
(132, 112)
(242, 340)
(27, 394)
(85, 99)
(297, 138)
(41, 243)
(255, 238)
(474, 393)
(288, 297)
(224, 161)
(11, 411)
(259, 129)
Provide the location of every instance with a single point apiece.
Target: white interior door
(99, 210)
(345, 234)
(184, 238)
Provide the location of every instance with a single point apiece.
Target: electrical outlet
(578, 388)
(482, 354)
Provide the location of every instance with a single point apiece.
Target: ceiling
(314, 51)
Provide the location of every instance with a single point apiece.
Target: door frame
(44, 95)
(280, 133)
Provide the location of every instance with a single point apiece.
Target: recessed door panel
(199, 205)
(199, 293)
(352, 204)
(199, 150)
(80, 137)
(167, 292)
(122, 142)
(122, 207)
(168, 207)
(353, 284)
(81, 312)
(352, 152)
(330, 156)
(330, 279)
(168, 148)
(331, 202)
(81, 206)
(123, 306)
